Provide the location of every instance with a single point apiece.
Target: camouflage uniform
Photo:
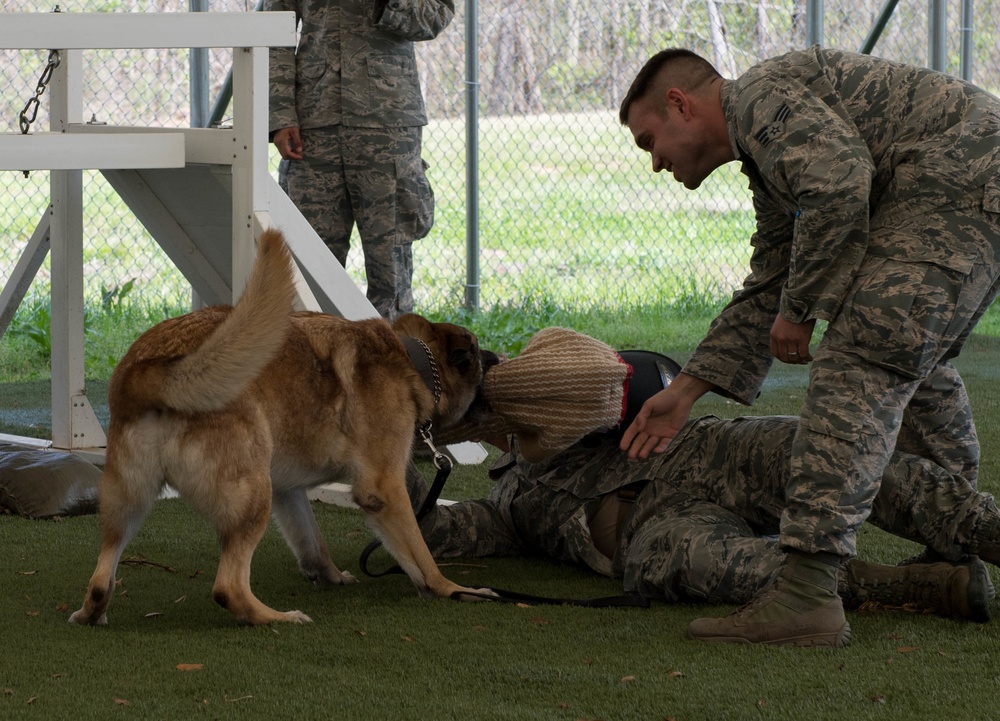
(876, 188)
(353, 91)
(701, 527)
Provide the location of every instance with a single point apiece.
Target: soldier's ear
(678, 102)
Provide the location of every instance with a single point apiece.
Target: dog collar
(423, 361)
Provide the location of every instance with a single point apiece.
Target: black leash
(630, 600)
(497, 595)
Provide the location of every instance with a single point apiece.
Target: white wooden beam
(201, 145)
(73, 421)
(68, 151)
(166, 229)
(118, 31)
(335, 290)
(21, 278)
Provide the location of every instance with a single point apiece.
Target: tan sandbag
(41, 483)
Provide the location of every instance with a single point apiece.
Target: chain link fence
(569, 213)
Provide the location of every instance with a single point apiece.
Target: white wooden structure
(203, 194)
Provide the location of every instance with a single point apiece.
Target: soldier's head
(675, 114)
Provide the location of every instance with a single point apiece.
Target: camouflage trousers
(714, 538)
(705, 525)
(881, 376)
(374, 178)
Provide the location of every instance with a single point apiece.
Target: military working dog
(243, 409)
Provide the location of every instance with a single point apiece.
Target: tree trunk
(765, 36)
(615, 56)
(799, 24)
(723, 56)
(573, 33)
(515, 80)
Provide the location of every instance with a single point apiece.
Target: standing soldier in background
(876, 188)
(347, 117)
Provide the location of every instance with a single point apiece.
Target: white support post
(250, 174)
(74, 424)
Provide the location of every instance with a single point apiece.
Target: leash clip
(441, 460)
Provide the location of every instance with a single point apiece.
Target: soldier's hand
(790, 341)
(289, 143)
(662, 417)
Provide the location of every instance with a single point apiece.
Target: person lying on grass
(700, 521)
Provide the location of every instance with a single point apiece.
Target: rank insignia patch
(775, 128)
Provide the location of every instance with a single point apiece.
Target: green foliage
(112, 298)
(506, 327)
(672, 328)
(33, 322)
(111, 324)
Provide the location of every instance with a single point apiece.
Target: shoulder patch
(775, 128)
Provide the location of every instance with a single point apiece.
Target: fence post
(199, 76)
(814, 22)
(472, 155)
(937, 22)
(967, 42)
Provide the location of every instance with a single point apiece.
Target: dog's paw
(294, 617)
(333, 577)
(474, 595)
(327, 575)
(80, 617)
(338, 578)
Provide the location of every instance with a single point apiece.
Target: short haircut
(687, 71)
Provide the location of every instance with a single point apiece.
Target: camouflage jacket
(839, 148)
(355, 63)
(543, 507)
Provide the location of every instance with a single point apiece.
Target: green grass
(376, 651)
(569, 210)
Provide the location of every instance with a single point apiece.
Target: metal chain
(27, 116)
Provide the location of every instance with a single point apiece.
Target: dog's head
(461, 365)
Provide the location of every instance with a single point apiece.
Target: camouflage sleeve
(735, 354)
(817, 160)
(414, 20)
(470, 529)
(281, 97)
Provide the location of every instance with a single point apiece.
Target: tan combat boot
(801, 609)
(951, 590)
(929, 555)
(986, 541)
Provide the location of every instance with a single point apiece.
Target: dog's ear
(412, 325)
(463, 350)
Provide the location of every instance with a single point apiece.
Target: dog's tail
(216, 372)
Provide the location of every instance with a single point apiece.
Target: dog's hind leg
(124, 506)
(298, 525)
(241, 521)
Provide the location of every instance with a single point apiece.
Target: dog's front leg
(388, 512)
(297, 522)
